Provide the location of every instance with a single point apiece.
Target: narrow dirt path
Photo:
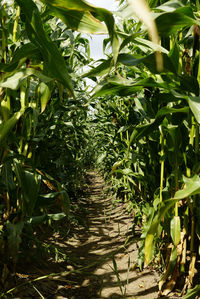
(87, 271)
(108, 230)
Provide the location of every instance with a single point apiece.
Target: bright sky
(108, 4)
(96, 42)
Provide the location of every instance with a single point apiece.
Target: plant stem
(16, 24)
(176, 188)
(162, 167)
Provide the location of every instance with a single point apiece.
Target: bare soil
(95, 260)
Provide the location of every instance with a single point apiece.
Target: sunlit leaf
(142, 10)
(171, 22)
(192, 187)
(14, 81)
(194, 103)
(45, 95)
(81, 16)
(175, 227)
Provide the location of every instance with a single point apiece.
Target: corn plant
(43, 132)
(145, 120)
(151, 146)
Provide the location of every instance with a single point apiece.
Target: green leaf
(9, 181)
(175, 229)
(84, 18)
(100, 70)
(192, 187)
(194, 103)
(14, 81)
(149, 61)
(35, 220)
(7, 126)
(143, 12)
(159, 215)
(21, 54)
(144, 130)
(30, 185)
(170, 6)
(124, 87)
(79, 20)
(54, 64)
(174, 56)
(191, 294)
(56, 217)
(116, 165)
(171, 22)
(167, 110)
(45, 95)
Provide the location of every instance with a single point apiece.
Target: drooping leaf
(20, 56)
(144, 130)
(171, 22)
(192, 187)
(136, 40)
(100, 70)
(82, 21)
(168, 110)
(13, 81)
(124, 87)
(54, 64)
(149, 61)
(84, 18)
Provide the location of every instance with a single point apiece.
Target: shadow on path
(91, 250)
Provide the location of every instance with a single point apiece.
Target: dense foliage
(144, 116)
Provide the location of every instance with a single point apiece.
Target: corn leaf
(7, 126)
(83, 17)
(170, 22)
(54, 64)
(28, 50)
(191, 294)
(30, 185)
(194, 103)
(14, 81)
(192, 187)
(143, 12)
